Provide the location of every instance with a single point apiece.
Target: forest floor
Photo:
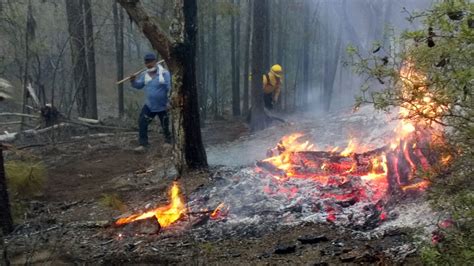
(65, 222)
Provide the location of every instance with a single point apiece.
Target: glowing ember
(165, 215)
(390, 168)
(220, 211)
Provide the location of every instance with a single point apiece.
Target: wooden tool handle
(135, 74)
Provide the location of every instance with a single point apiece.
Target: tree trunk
(118, 33)
(214, 58)
(266, 37)
(180, 55)
(235, 95)
(258, 119)
(331, 64)
(235, 39)
(91, 81)
(305, 54)
(237, 56)
(6, 222)
(29, 34)
(248, 41)
(78, 52)
(202, 70)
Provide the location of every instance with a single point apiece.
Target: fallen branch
(46, 129)
(20, 114)
(97, 126)
(89, 120)
(10, 123)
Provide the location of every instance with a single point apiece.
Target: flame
(422, 185)
(446, 159)
(165, 215)
(219, 211)
(351, 147)
(286, 146)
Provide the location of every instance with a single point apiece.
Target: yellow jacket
(273, 86)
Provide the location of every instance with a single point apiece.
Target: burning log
(149, 226)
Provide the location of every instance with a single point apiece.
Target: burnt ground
(64, 224)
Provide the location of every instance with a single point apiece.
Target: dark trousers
(268, 100)
(146, 116)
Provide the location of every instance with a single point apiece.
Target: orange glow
(221, 210)
(287, 145)
(166, 215)
(446, 159)
(422, 185)
(351, 147)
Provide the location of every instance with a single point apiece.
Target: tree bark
(202, 70)
(248, 41)
(215, 101)
(6, 222)
(118, 33)
(330, 68)
(179, 52)
(91, 77)
(235, 89)
(78, 52)
(237, 57)
(266, 37)
(258, 119)
(29, 33)
(305, 54)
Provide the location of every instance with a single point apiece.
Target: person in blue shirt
(156, 81)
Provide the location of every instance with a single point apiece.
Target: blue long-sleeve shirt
(156, 93)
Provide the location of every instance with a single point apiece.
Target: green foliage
(25, 178)
(113, 201)
(437, 91)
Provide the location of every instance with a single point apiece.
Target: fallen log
(89, 120)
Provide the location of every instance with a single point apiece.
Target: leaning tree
(178, 49)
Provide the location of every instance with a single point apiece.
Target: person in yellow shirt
(271, 86)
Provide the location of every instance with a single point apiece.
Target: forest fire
(350, 186)
(165, 215)
(385, 171)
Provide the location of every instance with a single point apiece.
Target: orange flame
(221, 210)
(289, 144)
(166, 215)
(422, 185)
(351, 147)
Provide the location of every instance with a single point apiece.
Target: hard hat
(277, 70)
(149, 57)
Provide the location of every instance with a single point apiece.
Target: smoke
(362, 22)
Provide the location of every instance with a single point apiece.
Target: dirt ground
(62, 225)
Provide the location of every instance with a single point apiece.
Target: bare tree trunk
(6, 222)
(179, 54)
(91, 77)
(78, 52)
(258, 120)
(235, 95)
(28, 35)
(237, 56)
(305, 54)
(118, 33)
(330, 68)
(214, 58)
(202, 70)
(247, 60)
